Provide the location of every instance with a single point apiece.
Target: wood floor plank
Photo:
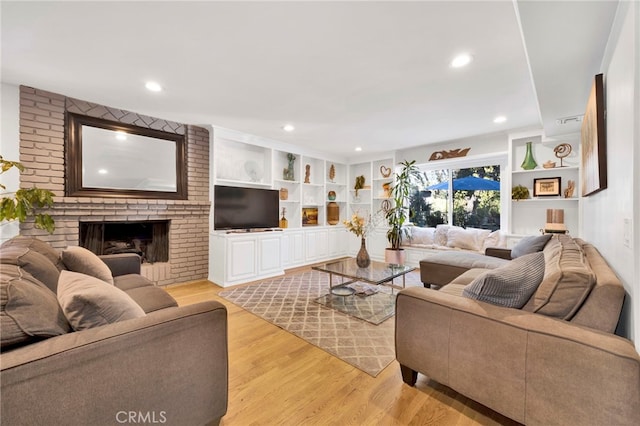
(277, 378)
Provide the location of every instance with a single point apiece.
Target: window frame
(500, 159)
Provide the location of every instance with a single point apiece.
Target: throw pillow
(470, 238)
(420, 235)
(40, 246)
(495, 239)
(79, 259)
(529, 245)
(29, 310)
(440, 237)
(511, 285)
(32, 262)
(88, 302)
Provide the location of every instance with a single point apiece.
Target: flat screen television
(245, 208)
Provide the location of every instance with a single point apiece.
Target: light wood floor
(276, 378)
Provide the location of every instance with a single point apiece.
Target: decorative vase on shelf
(283, 221)
(333, 213)
(362, 259)
(529, 163)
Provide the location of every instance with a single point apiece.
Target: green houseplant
(519, 192)
(25, 202)
(398, 214)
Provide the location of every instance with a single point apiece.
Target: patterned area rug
(289, 303)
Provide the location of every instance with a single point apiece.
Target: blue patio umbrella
(469, 183)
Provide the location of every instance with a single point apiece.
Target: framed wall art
(546, 187)
(309, 216)
(593, 140)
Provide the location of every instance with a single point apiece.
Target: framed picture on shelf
(309, 216)
(544, 187)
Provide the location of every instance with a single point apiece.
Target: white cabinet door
(269, 259)
(316, 245)
(241, 258)
(337, 243)
(296, 248)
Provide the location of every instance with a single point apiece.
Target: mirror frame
(73, 158)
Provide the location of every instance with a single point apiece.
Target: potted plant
(25, 202)
(398, 213)
(519, 192)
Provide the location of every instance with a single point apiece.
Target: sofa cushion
(467, 277)
(129, 281)
(510, 285)
(469, 238)
(28, 309)
(79, 259)
(36, 264)
(144, 292)
(151, 298)
(567, 281)
(89, 302)
(531, 244)
(40, 246)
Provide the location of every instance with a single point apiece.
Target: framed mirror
(110, 159)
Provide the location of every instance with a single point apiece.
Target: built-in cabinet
(527, 217)
(307, 184)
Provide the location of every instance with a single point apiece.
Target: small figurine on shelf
(332, 173)
(386, 188)
(283, 221)
(561, 151)
(307, 172)
(359, 184)
(287, 173)
(568, 192)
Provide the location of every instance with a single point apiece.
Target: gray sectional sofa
(151, 362)
(552, 361)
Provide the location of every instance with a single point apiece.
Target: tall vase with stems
(362, 259)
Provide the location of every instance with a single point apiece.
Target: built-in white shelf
(550, 171)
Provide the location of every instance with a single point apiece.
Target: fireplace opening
(149, 239)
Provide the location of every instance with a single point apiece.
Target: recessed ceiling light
(153, 86)
(288, 128)
(500, 119)
(461, 60)
(103, 171)
(121, 136)
(358, 148)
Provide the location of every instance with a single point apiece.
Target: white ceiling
(346, 74)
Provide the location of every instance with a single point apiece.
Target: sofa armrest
(531, 368)
(122, 264)
(500, 252)
(170, 365)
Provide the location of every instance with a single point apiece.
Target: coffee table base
(342, 291)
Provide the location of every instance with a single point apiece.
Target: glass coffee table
(376, 273)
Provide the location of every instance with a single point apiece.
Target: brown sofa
(169, 365)
(554, 361)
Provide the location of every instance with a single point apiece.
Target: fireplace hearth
(148, 239)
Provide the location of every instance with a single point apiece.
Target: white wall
(605, 213)
(9, 147)
(483, 144)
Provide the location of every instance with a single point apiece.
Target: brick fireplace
(42, 151)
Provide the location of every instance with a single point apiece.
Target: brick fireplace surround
(42, 151)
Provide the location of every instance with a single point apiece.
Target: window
(461, 196)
